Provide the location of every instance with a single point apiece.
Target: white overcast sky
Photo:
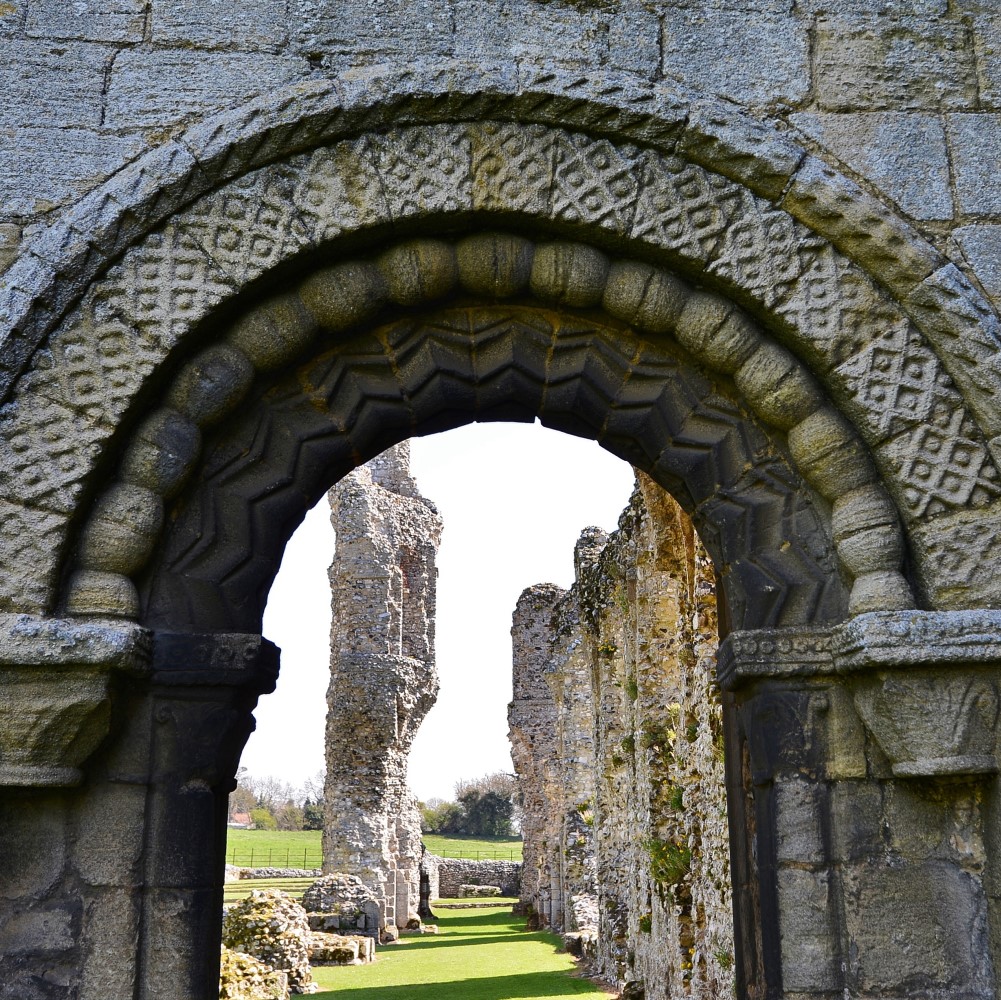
(514, 499)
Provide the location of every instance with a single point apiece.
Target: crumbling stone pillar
(383, 679)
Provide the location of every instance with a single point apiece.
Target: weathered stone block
(114, 21)
(925, 822)
(917, 928)
(874, 63)
(904, 154)
(164, 86)
(809, 942)
(12, 14)
(33, 834)
(987, 42)
(379, 29)
(979, 244)
(260, 26)
(45, 83)
(856, 815)
(760, 60)
(975, 141)
(799, 809)
(47, 929)
(540, 33)
(111, 826)
(111, 927)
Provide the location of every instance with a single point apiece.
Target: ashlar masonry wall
(382, 676)
(617, 739)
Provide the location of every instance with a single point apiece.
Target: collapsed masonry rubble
(382, 678)
(617, 740)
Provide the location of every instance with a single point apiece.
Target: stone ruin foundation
(383, 680)
(616, 732)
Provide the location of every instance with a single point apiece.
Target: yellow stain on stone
(7, 9)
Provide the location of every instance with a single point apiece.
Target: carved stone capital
(926, 687)
(925, 684)
(57, 680)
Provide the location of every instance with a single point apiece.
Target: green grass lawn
(504, 848)
(478, 955)
(301, 848)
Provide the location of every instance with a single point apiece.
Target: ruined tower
(382, 676)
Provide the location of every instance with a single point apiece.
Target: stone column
(119, 750)
(382, 676)
(204, 689)
(864, 771)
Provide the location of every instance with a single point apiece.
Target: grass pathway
(481, 954)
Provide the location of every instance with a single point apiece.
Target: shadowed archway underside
(577, 372)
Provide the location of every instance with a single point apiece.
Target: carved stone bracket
(925, 684)
(57, 680)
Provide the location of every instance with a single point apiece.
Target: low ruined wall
(454, 872)
(617, 740)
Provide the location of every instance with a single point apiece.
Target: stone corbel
(926, 687)
(57, 681)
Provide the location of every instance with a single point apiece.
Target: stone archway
(811, 381)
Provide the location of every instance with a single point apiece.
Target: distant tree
(487, 814)
(263, 819)
(273, 793)
(312, 815)
(439, 816)
(289, 817)
(499, 783)
(241, 801)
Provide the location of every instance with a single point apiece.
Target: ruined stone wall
(621, 765)
(454, 872)
(906, 94)
(382, 676)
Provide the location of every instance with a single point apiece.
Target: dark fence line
(275, 857)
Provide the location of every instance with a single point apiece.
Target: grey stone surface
(837, 274)
(62, 162)
(52, 84)
(87, 20)
(882, 147)
(158, 87)
(893, 63)
(887, 920)
(369, 32)
(807, 929)
(987, 42)
(979, 245)
(976, 153)
(759, 61)
(217, 24)
(12, 14)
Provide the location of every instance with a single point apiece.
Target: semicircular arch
(152, 307)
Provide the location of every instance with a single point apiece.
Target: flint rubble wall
(617, 740)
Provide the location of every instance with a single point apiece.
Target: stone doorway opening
(640, 619)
